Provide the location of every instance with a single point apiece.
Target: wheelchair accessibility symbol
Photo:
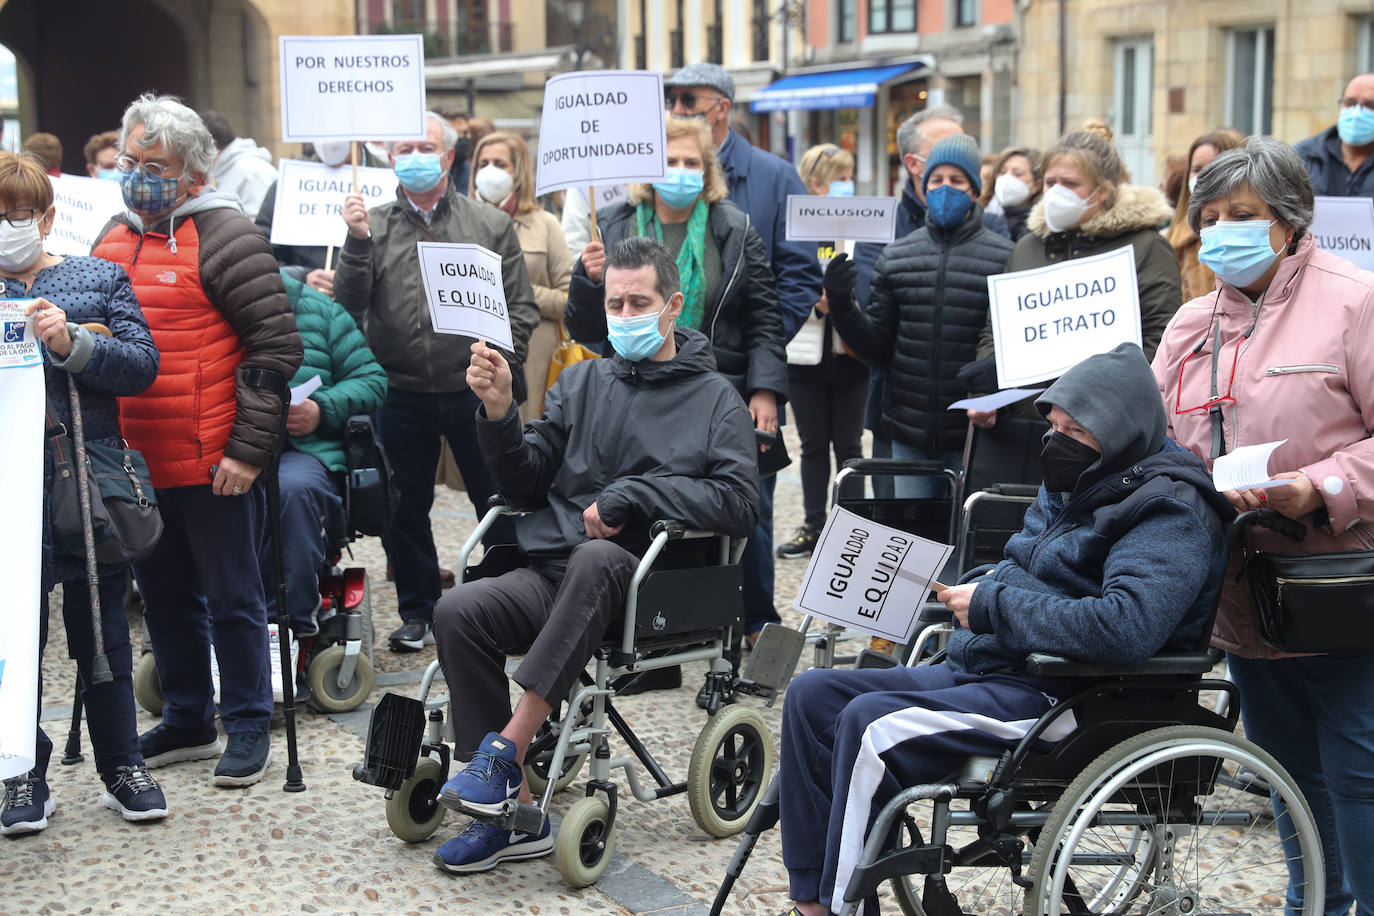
(660, 622)
(14, 331)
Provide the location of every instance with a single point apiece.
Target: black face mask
(461, 150)
(1063, 460)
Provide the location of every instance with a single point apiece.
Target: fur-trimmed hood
(1137, 207)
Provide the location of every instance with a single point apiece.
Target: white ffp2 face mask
(19, 248)
(1064, 209)
(493, 183)
(1010, 191)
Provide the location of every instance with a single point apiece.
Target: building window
(408, 12)
(1250, 80)
(761, 22)
(1133, 106)
(891, 16)
(965, 13)
(847, 26)
(1364, 45)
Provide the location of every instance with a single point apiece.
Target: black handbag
(1319, 602)
(125, 520)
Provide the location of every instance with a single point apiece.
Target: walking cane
(100, 663)
(71, 754)
(765, 817)
(276, 383)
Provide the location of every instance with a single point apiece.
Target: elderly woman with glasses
(96, 340)
(1283, 350)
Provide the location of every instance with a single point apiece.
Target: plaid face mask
(144, 193)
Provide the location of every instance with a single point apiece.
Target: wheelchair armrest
(1045, 665)
(1017, 490)
(893, 466)
(507, 507)
(675, 530)
(934, 612)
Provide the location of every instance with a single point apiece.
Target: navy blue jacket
(1321, 155)
(1126, 565)
(759, 184)
(911, 215)
(105, 368)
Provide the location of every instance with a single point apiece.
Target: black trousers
(829, 414)
(556, 617)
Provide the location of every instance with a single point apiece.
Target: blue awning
(832, 89)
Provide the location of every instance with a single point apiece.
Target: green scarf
(691, 260)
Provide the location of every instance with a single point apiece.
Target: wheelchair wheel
(584, 844)
(730, 767)
(1149, 826)
(323, 676)
(414, 812)
(147, 690)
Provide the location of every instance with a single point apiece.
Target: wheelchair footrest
(394, 735)
(519, 817)
(911, 860)
(774, 657)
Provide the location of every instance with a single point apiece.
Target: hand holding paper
(1245, 468)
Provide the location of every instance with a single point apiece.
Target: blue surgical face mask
(840, 189)
(635, 338)
(1356, 125)
(108, 174)
(947, 206)
(1237, 251)
(147, 194)
(680, 187)
(419, 172)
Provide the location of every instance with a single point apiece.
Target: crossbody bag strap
(421, 225)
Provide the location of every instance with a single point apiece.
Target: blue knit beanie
(960, 151)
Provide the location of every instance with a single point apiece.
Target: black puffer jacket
(927, 304)
(744, 323)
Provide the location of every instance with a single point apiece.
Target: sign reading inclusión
(854, 219)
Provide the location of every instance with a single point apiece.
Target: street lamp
(575, 11)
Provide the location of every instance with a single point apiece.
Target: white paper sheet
(21, 467)
(465, 293)
(995, 401)
(1246, 468)
(869, 576)
(302, 391)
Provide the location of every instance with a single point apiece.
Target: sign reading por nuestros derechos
(357, 87)
(601, 127)
(310, 195)
(1344, 226)
(869, 576)
(855, 219)
(465, 292)
(1047, 320)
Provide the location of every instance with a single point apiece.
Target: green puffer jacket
(351, 380)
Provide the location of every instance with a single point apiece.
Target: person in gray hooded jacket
(1121, 557)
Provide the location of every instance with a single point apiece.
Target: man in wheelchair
(654, 432)
(312, 466)
(1120, 557)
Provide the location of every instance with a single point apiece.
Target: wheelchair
(672, 616)
(336, 663)
(1150, 805)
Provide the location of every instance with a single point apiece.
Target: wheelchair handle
(674, 529)
(1273, 520)
(893, 465)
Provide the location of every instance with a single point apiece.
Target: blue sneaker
(483, 846)
(28, 805)
(493, 777)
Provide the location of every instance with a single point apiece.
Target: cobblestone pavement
(329, 850)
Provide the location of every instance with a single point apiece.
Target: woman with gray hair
(1282, 350)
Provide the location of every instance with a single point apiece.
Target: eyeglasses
(1351, 103)
(126, 164)
(1214, 400)
(688, 98)
(21, 218)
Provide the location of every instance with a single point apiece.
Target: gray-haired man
(378, 282)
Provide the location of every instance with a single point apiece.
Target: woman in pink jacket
(1283, 348)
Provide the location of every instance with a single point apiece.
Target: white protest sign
(601, 127)
(22, 395)
(1344, 226)
(858, 219)
(869, 576)
(465, 292)
(1047, 320)
(310, 196)
(352, 87)
(18, 344)
(84, 206)
(607, 194)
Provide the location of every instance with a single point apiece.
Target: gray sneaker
(28, 805)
